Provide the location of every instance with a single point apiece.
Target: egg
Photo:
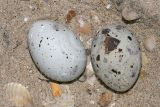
(116, 57)
(57, 52)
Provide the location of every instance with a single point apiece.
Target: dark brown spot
(120, 50)
(40, 41)
(97, 65)
(116, 72)
(120, 58)
(131, 66)
(70, 15)
(110, 44)
(129, 38)
(133, 74)
(105, 31)
(98, 57)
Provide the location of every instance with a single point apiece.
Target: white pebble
(26, 19)
(108, 6)
(92, 102)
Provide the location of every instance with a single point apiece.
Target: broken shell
(150, 43)
(56, 89)
(70, 15)
(18, 95)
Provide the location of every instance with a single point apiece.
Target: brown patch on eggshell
(70, 15)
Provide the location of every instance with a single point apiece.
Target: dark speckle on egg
(97, 66)
(133, 74)
(120, 50)
(98, 57)
(129, 38)
(115, 71)
(105, 31)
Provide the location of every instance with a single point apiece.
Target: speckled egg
(57, 52)
(116, 57)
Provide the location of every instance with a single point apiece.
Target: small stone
(150, 43)
(108, 6)
(26, 19)
(105, 99)
(129, 14)
(92, 102)
(83, 78)
(90, 71)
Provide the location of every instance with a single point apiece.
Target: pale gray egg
(56, 51)
(116, 57)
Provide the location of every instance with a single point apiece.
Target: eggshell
(56, 51)
(116, 57)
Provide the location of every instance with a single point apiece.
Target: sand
(16, 65)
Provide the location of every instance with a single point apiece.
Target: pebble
(129, 14)
(26, 19)
(83, 78)
(150, 43)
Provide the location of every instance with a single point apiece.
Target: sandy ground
(16, 65)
